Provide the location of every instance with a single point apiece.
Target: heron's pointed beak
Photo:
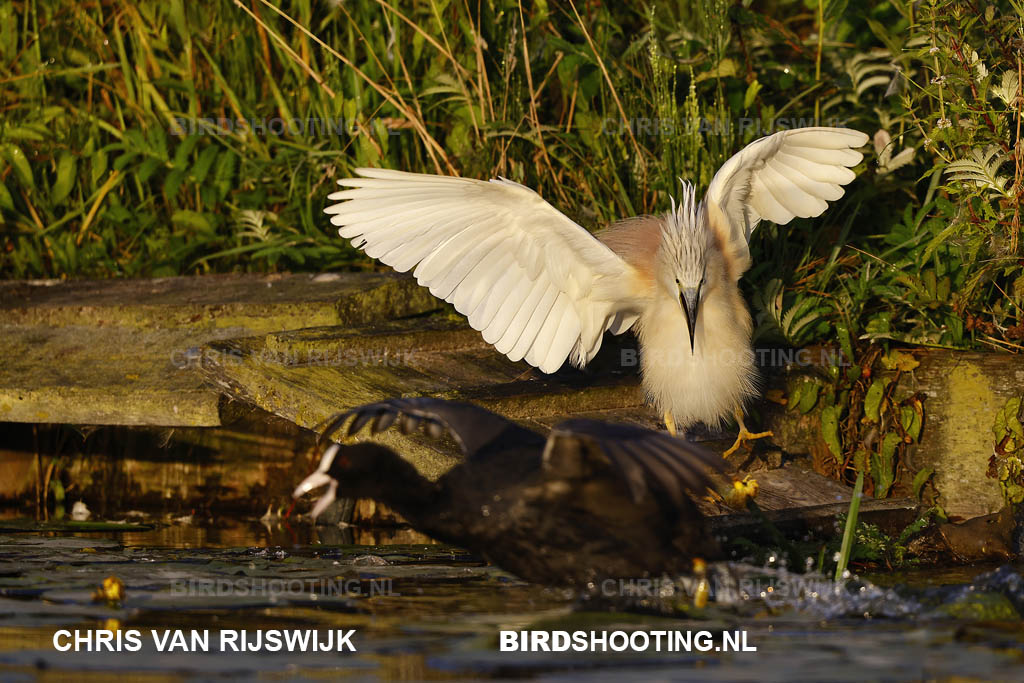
(318, 479)
(689, 298)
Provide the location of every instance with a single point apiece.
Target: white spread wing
(536, 284)
(782, 176)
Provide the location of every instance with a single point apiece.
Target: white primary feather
(782, 176)
(536, 284)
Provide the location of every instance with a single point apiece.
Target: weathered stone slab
(890, 515)
(307, 376)
(257, 303)
(124, 352)
(101, 376)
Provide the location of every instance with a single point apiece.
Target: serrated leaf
(1008, 88)
(203, 163)
(982, 169)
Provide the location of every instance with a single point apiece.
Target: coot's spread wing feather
(647, 460)
(470, 426)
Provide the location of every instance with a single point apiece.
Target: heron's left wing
(538, 286)
(647, 460)
(794, 173)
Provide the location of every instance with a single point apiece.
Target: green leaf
(910, 419)
(897, 360)
(808, 397)
(66, 166)
(851, 525)
(203, 164)
(6, 200)
(19, 162)
(920, 479)
(725, 68)
(192, 219)
(172, 183)
(873, 401)
(797, 394)
(845, 341)
(830, 429)
(834, 10)
(883, 464)
(1007, 421)
(751, 94)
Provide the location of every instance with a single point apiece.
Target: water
(426, 611)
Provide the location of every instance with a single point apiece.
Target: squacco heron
(540, 288)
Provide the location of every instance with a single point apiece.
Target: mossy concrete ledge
(124, 352)
(962, 391)
(307, 376)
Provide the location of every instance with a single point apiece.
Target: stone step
(306, 376)
(123, 352)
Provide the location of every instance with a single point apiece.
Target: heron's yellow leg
(670, 423)
(744, 435)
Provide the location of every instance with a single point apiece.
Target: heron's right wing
(647, 460)
(791, 173)
(536, 284)
(470, 426)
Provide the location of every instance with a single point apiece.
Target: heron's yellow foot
(670, 423)
(744, 434)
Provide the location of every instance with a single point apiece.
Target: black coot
(593, 500)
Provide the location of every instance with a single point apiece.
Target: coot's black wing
(647, 460)
(472, 427)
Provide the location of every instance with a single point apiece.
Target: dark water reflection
(426, 611)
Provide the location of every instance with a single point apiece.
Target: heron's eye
(344, 462)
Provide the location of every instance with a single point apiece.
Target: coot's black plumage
(593, 500)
